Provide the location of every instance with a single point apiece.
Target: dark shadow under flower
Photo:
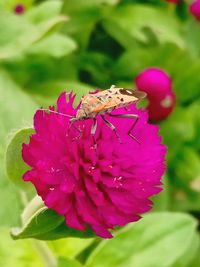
(100, 188)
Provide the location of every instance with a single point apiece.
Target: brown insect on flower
(104, 102)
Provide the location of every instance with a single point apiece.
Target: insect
(104, 102)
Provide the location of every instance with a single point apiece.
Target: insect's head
(80, 114)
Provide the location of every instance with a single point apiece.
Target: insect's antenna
(112, 86)
(55, 112)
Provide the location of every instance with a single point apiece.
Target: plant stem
(40, 247)
(24, 198)
(44, 253)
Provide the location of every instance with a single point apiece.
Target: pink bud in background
(195, 9)
(158, 86)
(174, 1)
(19, 9)
(154, 81)
(160, 108)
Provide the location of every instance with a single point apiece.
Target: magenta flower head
(195, 9)
(158, 86)
(19, 9)
(98, 188)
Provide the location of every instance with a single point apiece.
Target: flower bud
(195, 9)
(158, 86)
(19, 9)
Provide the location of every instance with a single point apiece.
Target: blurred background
(50, 46)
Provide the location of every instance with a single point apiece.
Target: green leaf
(162, 200)
(42, 221)
(84, 8)
(15, 165)
(186, 90)
(31, 209)
(187, 168)
(73, 246)
(16, 110)
(192, 37)
(11, 202)
(14, 25)
(131, 62)
(43, 69)
(196, 259)
(20, 254)
(181, 121)
(47, 93)
(16, 107)
(63, 231)
(95, 63)
(130, 22)
(21, 33)
(64, 262)
(11, 4)
(44, 11)
(190, 254)
(81, 4)
(84, 14)
(159, 239)
(193, 109)
(182, 199)
(45, 224)
(56, 45)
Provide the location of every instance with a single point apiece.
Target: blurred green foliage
(81, 45)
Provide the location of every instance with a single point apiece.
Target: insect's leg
(112, 127)
(72, 121)
(72, 118)
(55, 112)
(93, 131)
(131, 116)
(127, 108)
(112, 87)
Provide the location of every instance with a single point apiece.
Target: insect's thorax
(90, 107)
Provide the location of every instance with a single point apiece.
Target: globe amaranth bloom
(195, 9)
(99, 188)
(19, 9)
(158, 86)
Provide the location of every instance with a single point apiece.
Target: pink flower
(158, 86)
(195, 9)
(19, 9)
(101, 188)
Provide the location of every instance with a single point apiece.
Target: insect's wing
(113, 98)
(103, 104)
(139, 94)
